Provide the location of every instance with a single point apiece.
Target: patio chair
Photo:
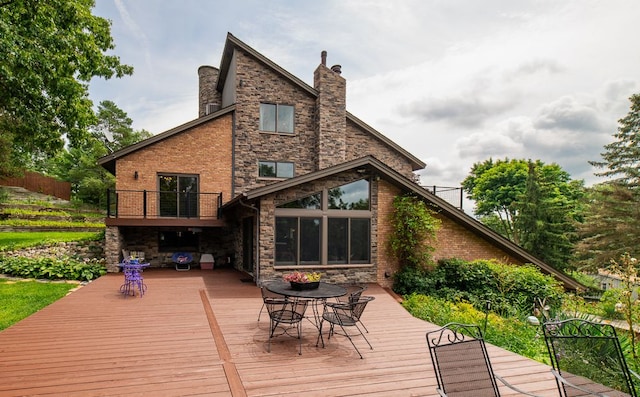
(286, 314)
(461, 363)
(344, 315)
(586, 355)
(354, 291)
(267, 294)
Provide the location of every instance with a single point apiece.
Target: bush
(65, 268)
(511, 289)
(512, 334)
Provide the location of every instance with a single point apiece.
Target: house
(275, 175)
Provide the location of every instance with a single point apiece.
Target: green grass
(43, 223)
(21, 299)
(19, 240)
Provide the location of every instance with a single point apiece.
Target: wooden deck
(196, 333)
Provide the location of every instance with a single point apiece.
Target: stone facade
(331, 116)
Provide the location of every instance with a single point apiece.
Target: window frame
(276, 118)
(275, 164)
(326, 216)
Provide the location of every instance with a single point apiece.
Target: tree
(531, 203)
(50, 50)
(79, 164)
(621, 158)
(113, 127)
(611, 226)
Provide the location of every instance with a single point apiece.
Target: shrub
(511, 289)
(512, 334)
(65, 268)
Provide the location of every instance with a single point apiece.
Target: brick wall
(203, 150)
(452, 240)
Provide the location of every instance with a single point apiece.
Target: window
(178, 196)
(275, 169)
(171, 241)
(309, 231)
(276, 118)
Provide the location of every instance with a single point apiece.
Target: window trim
(325, 214)
(275, 131)
(276, 163)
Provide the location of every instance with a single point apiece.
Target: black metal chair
(267, 294)
(343, 315)
(286, 314)
(587, 359)
(354, 291)
(461, 363)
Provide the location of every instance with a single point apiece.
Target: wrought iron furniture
(133, 279)
(267, 294)
(461, 362)
(354, 291)
(344, 314)
(286, 314)
(314, 296)
(586, 355)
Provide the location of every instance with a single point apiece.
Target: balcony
(161, 208)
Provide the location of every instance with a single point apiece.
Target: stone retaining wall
(84, 249)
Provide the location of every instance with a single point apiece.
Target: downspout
(257, 226)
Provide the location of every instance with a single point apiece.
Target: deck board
(196, 333)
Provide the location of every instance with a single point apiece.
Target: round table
(324, 290)
(320, 294)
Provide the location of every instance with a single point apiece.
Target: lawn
(21, 299)
(18, 240)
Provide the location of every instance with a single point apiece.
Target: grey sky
(453, 82)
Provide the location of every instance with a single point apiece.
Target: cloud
(463, 111)
(567, 113)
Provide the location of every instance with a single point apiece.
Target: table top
(324, 290)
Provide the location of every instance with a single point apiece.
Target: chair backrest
(358, 305)
(354, 291)
(268, 294)
(588, 350)
(287, 311)
(460, 361)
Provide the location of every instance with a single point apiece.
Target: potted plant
(303, 281)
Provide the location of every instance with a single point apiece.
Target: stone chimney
(209, 98)
(331, 114)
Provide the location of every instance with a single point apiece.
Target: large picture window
(276, 118)
(309, 230)
(178, 196)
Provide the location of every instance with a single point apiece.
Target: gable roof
(109, 161)
(233, 43)
(380, 169)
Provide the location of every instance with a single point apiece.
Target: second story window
(275, 169)
(276, 118)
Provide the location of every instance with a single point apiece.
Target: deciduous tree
(49, 52)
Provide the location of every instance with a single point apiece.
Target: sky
(454, 82)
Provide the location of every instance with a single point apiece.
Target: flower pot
(304, 286)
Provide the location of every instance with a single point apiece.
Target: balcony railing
(151, 204)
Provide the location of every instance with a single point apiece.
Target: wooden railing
(151, 204)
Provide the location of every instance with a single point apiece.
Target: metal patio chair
(344, 315)
(354, 291)
(587, 359)
(267, 294)
(286, 314)
(461, 363)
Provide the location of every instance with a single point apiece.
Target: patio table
(320, 294)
